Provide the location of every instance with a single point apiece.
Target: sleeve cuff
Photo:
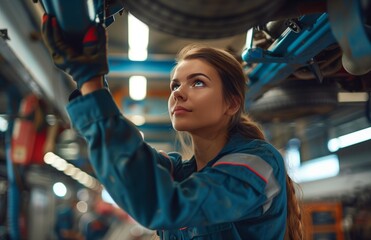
(87, 109)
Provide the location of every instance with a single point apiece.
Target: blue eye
(174, 86)
(199, 83)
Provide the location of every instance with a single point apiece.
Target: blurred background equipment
(308, 64)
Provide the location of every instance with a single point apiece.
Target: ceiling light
(59, 189)
(3, 124)
(316, 169)
(352, 97)
(138, 39)
(70, 170)
(292, 155)
(82, 206)
(138, 120)
(137, 87)
(335, 144)
(249, 38)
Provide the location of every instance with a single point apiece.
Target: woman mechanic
(234, 187)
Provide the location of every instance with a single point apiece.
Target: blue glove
(82, 62)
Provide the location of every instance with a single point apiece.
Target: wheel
(295, 99)
(207, 19)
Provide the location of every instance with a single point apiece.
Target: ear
(233, 106)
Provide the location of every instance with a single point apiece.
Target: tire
(207, 19)
(295, 99)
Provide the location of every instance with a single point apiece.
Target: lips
(180, 109)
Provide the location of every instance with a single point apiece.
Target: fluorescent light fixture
(249, 38)
(292, 160)
(137, 54)
(292, 155)
(138, 39)
(91, 10)
(316, 169)
(335, 144)
(137, 87)
(3, 124)
(352, 97)
(249, 41)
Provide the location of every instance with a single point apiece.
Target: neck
(207, 146)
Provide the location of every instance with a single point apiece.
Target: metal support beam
(291, 51)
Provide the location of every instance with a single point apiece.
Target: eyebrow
(190, 76)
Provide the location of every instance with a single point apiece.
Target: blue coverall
(240, 194)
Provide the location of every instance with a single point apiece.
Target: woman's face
(196, 102)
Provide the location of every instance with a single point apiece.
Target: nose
(179, 94)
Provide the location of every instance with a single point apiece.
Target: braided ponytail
(294, 228)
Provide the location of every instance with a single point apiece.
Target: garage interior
(308, 65)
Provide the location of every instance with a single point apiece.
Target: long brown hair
(234, 83)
